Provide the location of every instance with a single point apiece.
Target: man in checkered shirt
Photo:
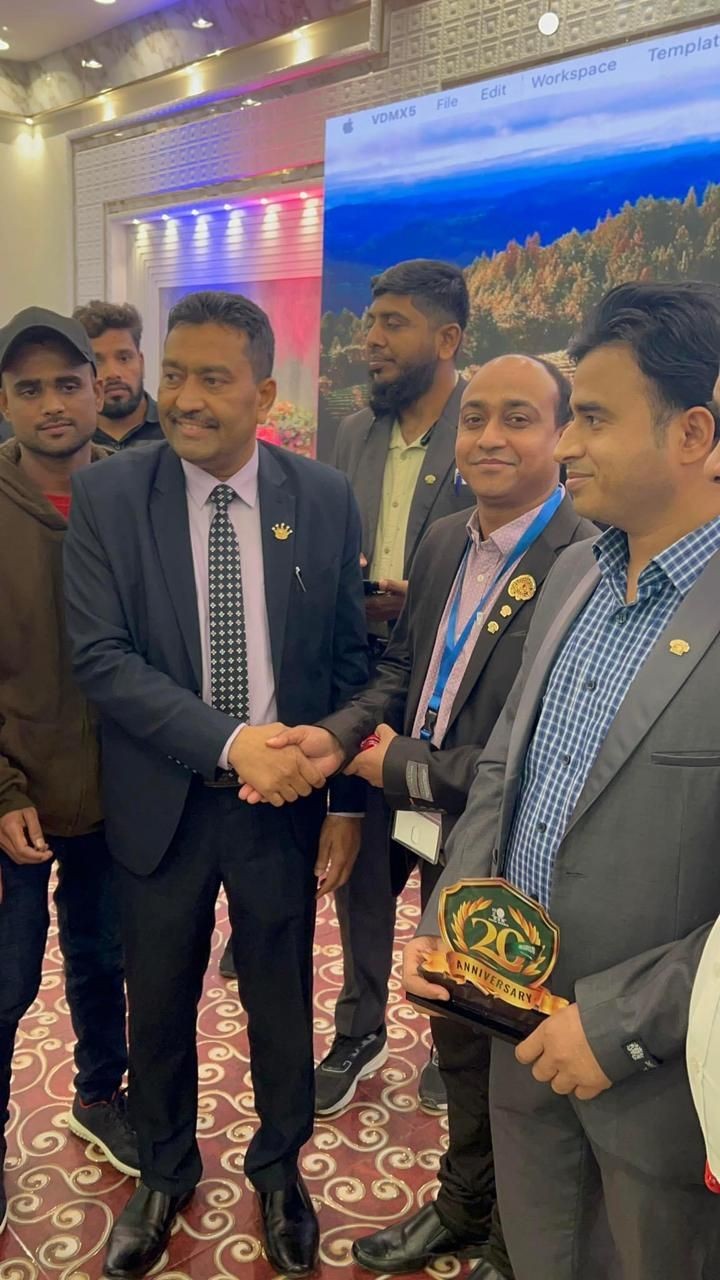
(598, 795)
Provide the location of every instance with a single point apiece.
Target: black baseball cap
(40, 321)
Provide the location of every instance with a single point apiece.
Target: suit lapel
(663, 673)
(280, 556)
(438, 462)
(534, 690)
(169, 519)
(435, 599)
(367, 480)
(536, 563)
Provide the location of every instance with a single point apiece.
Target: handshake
(278, 765)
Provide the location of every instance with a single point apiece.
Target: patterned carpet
(365, 1169)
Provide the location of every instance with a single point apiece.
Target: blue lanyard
(455, 644)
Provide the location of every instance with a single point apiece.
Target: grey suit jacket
(361, 452)
(636, 883)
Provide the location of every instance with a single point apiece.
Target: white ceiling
(36, 28)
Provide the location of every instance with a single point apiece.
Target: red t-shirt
(61, 503)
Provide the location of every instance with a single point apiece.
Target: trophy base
(468, 1005)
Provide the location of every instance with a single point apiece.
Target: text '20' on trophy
(500, 947)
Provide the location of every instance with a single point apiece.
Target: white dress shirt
(245, 517)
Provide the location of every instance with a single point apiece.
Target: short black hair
(673, 331)
(563, 412)
(235, 312)
(97, 317)
(438, 289)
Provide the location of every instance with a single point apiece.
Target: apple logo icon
(348, 126)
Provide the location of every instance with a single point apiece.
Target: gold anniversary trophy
(500, 947)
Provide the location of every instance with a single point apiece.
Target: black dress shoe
(485, 1271)
(292, 1235)
(141, 1233)
(413, 1244)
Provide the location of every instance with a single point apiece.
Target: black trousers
(167, 922)
(90, 943)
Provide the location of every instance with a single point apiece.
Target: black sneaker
(431, 1086)
(107, 1125)
(350, 1060)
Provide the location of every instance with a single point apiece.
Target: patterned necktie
(229, 688)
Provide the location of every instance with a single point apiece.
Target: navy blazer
(133, 623)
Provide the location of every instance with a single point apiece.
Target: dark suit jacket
(361, 452)
(132, 617)
(393, 696)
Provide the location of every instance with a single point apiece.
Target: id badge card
(419, 832)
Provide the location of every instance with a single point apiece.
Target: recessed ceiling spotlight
(203, 24)
(29, 120)
(136, 222)
(303, 195)
(4, 45)
(227, 207)
(165, 217)
(548, 23)
(195, 212)
(104, 1)
(264, 200)
(91, 64)
(250, 102)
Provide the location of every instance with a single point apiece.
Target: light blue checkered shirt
(599, 659)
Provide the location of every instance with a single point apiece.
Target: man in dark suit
(213, 585)
(432, 722)
(399, 456)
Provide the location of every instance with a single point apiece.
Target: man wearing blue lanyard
(598, 796)
(432, 704)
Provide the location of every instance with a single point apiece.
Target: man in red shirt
(49, 756)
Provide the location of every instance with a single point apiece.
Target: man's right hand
(414, 954)
(277, 776)
(21, 837)
(316, 745)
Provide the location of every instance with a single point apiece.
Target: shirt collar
(397, 439)
(506, 537)
(681, 564)
(200, 484)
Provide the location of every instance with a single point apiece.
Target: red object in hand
(368, 743)
(711, 1181)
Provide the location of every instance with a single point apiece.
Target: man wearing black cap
(49, 762)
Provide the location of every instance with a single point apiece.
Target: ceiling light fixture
(91, 64)
(195, 212)
(250, 102)
(29, 120)
(104, 1)
(304, 195)
(264, 200)
(165, 217)
(4, 45)
(203, 24)
(227, 207)
(136, 222)
(548, 23)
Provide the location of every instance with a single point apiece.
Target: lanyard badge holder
(454, 644)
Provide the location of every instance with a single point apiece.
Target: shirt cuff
(224, 761)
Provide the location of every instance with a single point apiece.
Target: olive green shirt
(402, 471)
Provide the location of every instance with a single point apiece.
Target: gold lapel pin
(506, 611)
(493, 627)
(282, 531)
(523, 587)
(679, 648)
(430, 479)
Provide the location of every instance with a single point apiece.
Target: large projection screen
(548, 186)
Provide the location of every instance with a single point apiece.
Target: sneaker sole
(368, 1070)
(432, 1108)
(88, 1136)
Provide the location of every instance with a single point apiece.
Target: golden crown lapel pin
(523, 587)
(506, 611)
(282, 531)
(430, 478)
(679, 648)
(493, 627)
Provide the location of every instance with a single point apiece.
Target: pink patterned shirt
(484, 560)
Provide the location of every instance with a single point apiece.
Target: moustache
(191, 420)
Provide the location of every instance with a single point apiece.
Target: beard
(411, 383)
(118, 409)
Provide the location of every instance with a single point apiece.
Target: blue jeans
(90, 944)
